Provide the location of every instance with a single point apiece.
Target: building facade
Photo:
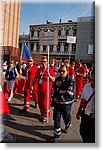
(9, 29)
(85, 48)
(83, 30)
(59, 51)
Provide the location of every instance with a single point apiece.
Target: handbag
(81, 109)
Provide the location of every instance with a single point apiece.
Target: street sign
(48, 38)
(71, 39)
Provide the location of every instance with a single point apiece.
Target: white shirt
(86, 93)
(24, 66)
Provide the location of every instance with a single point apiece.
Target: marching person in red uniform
(85, 79)
(70, 67)
(5, 136)
(71, 70)
(80, 73)
(4, 109)
(45, 78)
(30, 72)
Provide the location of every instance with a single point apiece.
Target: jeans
(65, 111)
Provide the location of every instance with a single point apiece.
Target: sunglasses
(44, 61)
(30, 61)
(62, 71)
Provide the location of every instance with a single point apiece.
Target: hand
(31, 89)
(56, 101)
(77, 73)
(49, 74)
(58, 83)
(77, 116)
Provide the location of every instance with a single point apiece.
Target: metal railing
(54, 53)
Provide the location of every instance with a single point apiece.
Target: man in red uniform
(44, 76)
(71, 70)
(30, 72)
(80, 73)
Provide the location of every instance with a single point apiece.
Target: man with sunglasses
(63, 99)
(45, 77)
(30, 72)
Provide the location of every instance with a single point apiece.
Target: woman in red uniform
(45, 78)
(80, 73)
(30, 72)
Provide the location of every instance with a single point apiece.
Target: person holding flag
(30, 72)
(45, 77)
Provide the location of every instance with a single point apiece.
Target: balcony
(59, 37)
(34, 38)
(54, 53)
(62, 37)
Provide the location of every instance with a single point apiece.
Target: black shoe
(36, 106)
(44, 119)
(23, 111)
(55, 139)
(67, 127)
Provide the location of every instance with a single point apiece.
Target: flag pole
(48, 48)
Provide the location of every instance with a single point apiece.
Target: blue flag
(26, 53)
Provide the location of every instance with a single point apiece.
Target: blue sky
(39, 12)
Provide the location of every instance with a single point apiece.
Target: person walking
(87, 125)
(45, 77)
(80, 73)
(10, 76)
(30, 72)
(62, 101)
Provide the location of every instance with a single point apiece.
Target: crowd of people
(59, 83)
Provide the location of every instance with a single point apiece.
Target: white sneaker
(9, 99)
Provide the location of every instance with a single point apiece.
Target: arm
(79, 74)
(17, 73)
(83, 104)
(51, 77)
(34, 81)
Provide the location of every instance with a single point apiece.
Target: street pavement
(26, 128)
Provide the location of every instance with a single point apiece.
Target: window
(38, 33)
(31, 46)
(73, 48)
(32, 33)
(51, 48)
(59, 32)
(58, 47)
(66, 47)
(38, 47)
(74, 32)
(67, 32)
(44, 48)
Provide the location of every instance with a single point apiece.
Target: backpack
(11, 75)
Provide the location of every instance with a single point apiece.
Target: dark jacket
(65, 91)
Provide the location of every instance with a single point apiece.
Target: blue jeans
(65, 111)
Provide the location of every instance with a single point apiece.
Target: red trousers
(79, 84)
(44, 103)
(27, 93)
(4, 108)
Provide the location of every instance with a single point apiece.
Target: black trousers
(87, 129)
